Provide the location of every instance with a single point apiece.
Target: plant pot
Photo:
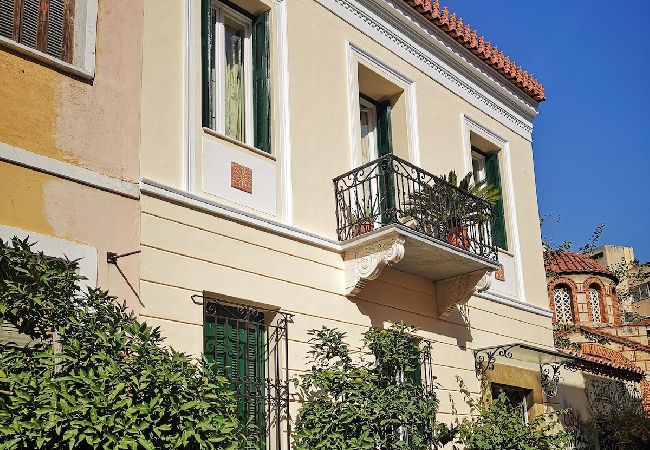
(459, 237)
(364, 227)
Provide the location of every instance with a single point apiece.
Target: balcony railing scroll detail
(390, 190)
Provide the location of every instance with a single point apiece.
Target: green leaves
(496, 425)
(370, 404)
(111, 384)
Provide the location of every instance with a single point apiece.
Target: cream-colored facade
(69, 142)
(277, 246)
(217, 218)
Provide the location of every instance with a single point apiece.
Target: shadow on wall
(387, 299)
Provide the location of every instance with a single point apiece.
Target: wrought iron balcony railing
(392, 191)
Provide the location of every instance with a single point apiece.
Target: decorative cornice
(458, 290)
(439, 61)
(468, 38)
(368, 262)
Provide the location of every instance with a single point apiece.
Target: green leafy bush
(625, 428)
(95, 377)
(497, 425)
(378, 403)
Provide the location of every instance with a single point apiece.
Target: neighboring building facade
(251, 108)
(586, 312)
(634, 286)
(70, 133)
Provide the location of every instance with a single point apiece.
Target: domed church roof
(572, 263)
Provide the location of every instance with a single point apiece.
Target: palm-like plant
(442, 206)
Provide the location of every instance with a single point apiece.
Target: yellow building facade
(70, 133)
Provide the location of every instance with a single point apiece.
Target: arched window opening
(594, 303)
(563, 307)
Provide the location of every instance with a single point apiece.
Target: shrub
(497, 425)
(94, 377)
(624, 428)
(374, 404)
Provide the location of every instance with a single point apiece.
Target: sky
(592, 161)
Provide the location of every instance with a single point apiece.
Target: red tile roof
(469, 38)
(568, 262)
(618, 339)
(626, 367)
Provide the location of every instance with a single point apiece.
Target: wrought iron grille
(390, 190)
(251, 347)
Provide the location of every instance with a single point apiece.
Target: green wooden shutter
(206, 63)
(261, 91)
(493, 177)
(385, 147)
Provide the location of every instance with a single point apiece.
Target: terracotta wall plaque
(241, 177)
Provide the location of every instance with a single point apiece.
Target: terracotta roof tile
(619, 339)
(568, 262)
(631, 367)
(468, 38)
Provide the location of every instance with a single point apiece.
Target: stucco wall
(92, 124)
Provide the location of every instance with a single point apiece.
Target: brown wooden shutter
(46, 25)
(29, 23)
(7, 18)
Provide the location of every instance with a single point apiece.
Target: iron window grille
(251, 347)
(392, 191)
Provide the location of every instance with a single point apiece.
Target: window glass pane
(365, 135)
(234, 79)
(478, 167)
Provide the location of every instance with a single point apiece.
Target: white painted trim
(47, 59)
(173, 195)
(510, 208)
(239, 144)
(59, 248)
(283, 116)
(89, 38)
(502, 299)
(356, 56)
(68, 171)
(398, 28)
(190, 101)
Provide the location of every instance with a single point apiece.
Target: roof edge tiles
(563, 262)
(454, 26)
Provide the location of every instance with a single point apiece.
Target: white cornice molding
(81, 175)
(185, 199)
(397, 28)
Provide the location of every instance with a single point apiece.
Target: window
(563, 306)
(515, 396)
(485, 166)
(594, 303)
(44, 25)
(250, 347)
(236, 96)
(368, 124)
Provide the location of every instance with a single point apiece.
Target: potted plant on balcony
(360, 220)
(445, 211)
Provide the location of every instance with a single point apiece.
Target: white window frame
(372, 132)
(60, 248)
(85, 39)
(221, 12)
(480, 160)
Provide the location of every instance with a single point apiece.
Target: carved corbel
(368, 262)
(459, 289)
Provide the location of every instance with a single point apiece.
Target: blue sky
(592, 159)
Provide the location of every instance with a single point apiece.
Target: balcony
(392, 213)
